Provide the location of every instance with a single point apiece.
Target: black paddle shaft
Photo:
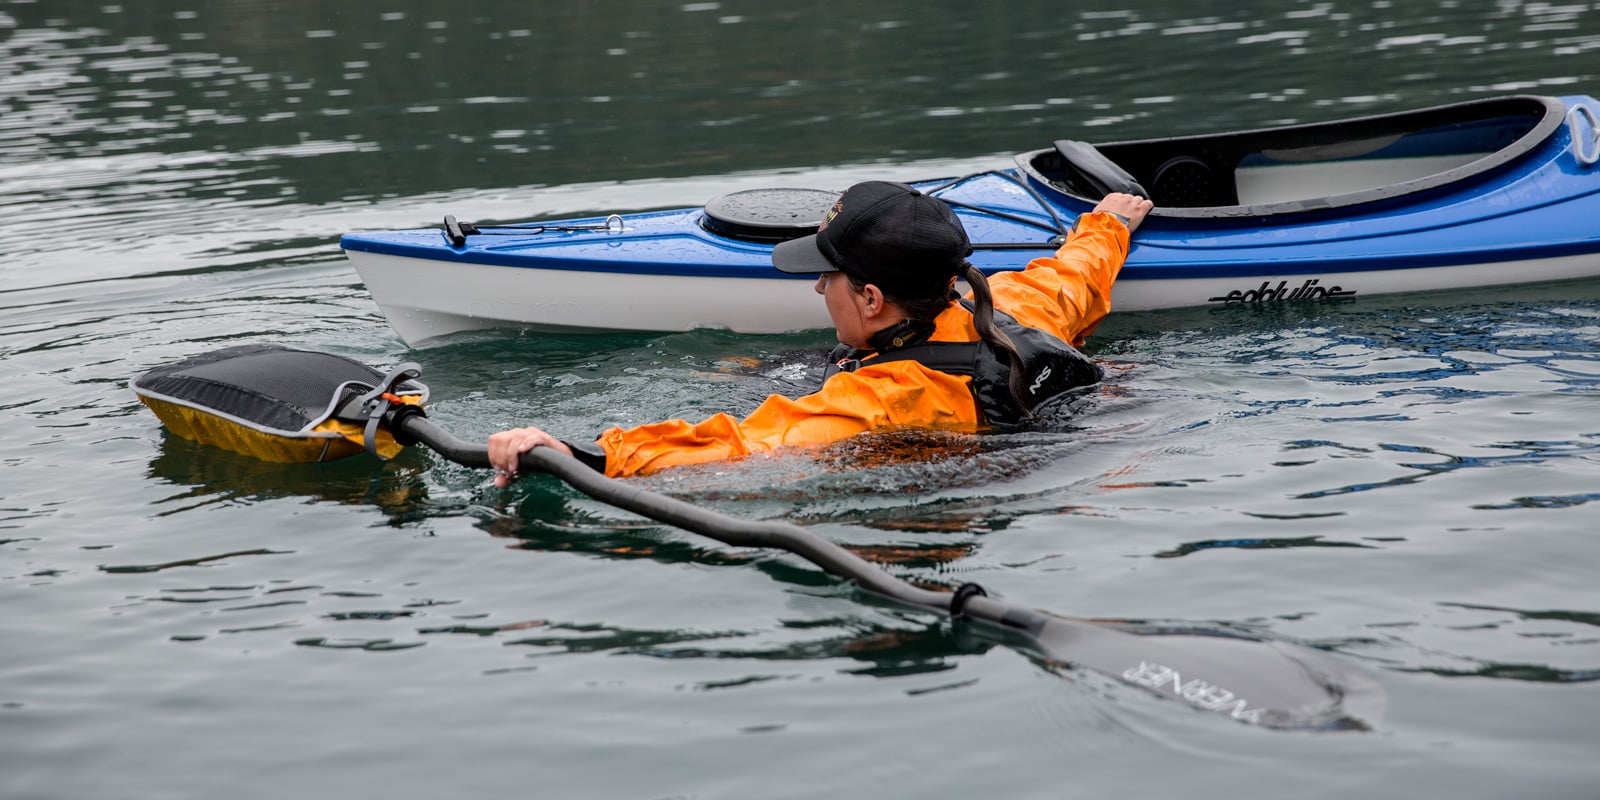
(826, 554)
(1261, 682)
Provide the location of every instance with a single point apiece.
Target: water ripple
(189, 562)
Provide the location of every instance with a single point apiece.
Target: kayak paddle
(283, 404)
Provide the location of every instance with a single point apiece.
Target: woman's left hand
(507, 447)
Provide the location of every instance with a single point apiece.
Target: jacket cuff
(591, 454)
(1114, 215)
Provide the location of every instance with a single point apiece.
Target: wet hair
(926, 309)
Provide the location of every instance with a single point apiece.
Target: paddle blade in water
(1274, 684)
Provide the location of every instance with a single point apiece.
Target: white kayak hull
(425, 300)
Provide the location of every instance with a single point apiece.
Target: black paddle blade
(1273, 684)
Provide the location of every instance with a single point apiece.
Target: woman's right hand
(1129, 206)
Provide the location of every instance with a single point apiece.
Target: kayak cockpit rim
(1200, 176)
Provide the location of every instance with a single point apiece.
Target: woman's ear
(874, 298)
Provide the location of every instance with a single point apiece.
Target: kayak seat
(1183, 181)
(1088, 173)
(1308, 168)
(1190, 182)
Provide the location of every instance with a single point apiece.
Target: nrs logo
(1043, 376)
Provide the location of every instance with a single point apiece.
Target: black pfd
(1051, 367)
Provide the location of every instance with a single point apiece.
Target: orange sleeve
(1067, 294)
(880, 396)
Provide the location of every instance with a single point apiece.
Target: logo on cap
(838, 206)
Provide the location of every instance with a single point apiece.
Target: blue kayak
(1488, 192)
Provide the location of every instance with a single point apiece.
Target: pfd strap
(955, 358)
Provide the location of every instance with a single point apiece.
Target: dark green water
(1410, 483)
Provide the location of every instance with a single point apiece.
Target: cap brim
(801, 257)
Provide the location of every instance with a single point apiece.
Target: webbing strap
(375, 405)
(956, 358)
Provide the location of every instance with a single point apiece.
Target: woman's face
(847, 308)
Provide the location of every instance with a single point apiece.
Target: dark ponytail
(983, 320)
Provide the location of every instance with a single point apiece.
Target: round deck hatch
(768, 216)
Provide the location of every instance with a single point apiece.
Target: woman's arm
(1068, 293)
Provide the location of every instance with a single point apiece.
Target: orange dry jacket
(1066, 295)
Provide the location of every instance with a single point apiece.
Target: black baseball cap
(909, 244)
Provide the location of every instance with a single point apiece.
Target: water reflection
(883, 652)
(211, 476)
(1520, 453)
(1538, 673)
(1188, 548)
